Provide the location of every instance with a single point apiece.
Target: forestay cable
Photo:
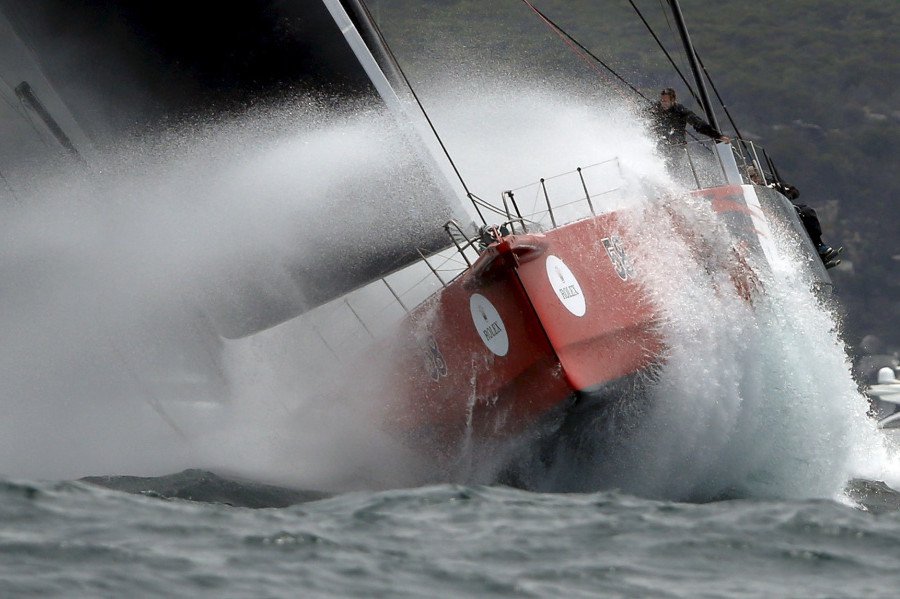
(579, 50)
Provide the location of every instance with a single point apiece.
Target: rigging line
(427, 276)
(721, 101)
(579, 52)
(666, 15)
(665, 11)
(22, 110)
(415, 96)
(569, 40)
(774, 169)
(488, 205)
(663, 48)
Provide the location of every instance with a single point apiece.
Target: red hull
(536, 319)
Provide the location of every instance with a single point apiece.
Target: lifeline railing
(749, 154)
(543, 205)
(577, 201)
(704, 163)
(565, 197)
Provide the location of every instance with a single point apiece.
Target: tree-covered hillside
(814, 81)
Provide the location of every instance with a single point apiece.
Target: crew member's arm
(704, 128)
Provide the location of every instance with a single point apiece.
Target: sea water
(756, 471)
(72, 539)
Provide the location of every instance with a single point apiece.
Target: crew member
(807, 215)
(670, 120)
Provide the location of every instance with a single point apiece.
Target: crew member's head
(667, 98)
(754, 176)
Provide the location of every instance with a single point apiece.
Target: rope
(487, 205)
(663, 48)
(721, 102)
(579, 50)
(665, 12)
(415, 96)
(666, 16)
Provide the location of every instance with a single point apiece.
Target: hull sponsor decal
(616, 252)
(434, 359)
(489, 325)
(566, 286)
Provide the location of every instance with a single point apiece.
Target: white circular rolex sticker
(566, 286)
(489, 324)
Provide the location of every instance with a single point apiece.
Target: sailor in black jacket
(670, 119)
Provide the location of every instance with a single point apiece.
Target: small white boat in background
(885, 398)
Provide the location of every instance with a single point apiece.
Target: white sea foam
(108, 363)
(755, 398)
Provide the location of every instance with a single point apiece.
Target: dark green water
(74, 539)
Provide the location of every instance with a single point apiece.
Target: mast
(695, 68)
(354, 22)
(362, 19)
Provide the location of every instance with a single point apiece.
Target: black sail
(108, 69)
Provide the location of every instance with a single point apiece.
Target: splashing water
(109, 364)
(753, 400)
